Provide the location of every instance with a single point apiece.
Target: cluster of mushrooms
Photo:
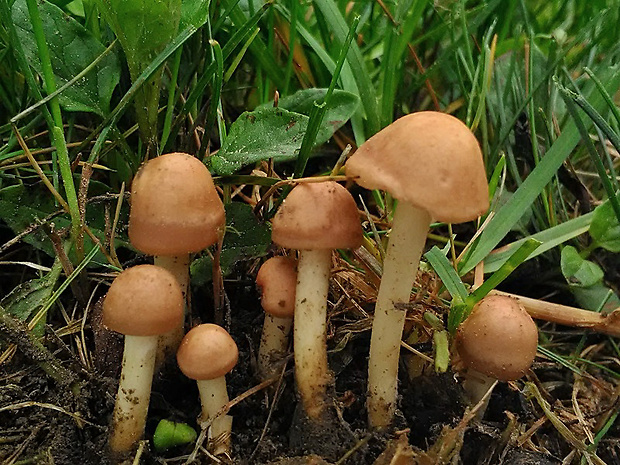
(430, 162)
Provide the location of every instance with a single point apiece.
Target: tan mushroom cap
(429, 159)
(498, 338)
(145, 300)
(277, 278)
(207, 352)
(175, 208)
(318, 216)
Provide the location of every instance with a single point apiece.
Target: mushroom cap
(429, 159)
(498, 339)
(317, 216)
(175, 208)
(277, 278)
(145, 300)
(207, 352)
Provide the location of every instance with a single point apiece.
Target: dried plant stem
(17, 333)
(569, 316)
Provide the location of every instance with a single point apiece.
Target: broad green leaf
(596, 298)
(194, 13)
(22, 207)
(245, 238)
(259, 135)
(277, 133)
(144, 29)
(72, 48)
(27, 298)
(341, 108)
(579, 271)
(605, 229)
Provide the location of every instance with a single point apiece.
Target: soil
(46, 421)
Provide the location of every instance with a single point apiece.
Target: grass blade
(446, 273)
(534, 184)
(367, 93)
(549, 238)
(319, 110)
(518, 257)
(570, 99)
(258, 48)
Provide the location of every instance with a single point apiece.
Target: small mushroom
(497, 341)
(432, 163)
(315, 218)
(276, 278)
(206, 354)
(175, 210)
(143, 302)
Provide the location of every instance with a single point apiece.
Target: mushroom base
(477, 385)
(134, 392)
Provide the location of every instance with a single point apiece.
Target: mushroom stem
(134, 392)
(309, 335)
(273, 344)
(178, 265)
(406, 243)
(214, 396)
(476, 386)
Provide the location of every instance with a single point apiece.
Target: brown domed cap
(429, 159)
(318, 216)
(498, 338)
(175, 208)
(207, 352)
(277, 278)
(145, 300)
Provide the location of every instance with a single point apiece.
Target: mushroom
(277, 278)
(206, 354)
(315, 218)
(496, 342)
(175, 210)
(143, 302)
(431, 163)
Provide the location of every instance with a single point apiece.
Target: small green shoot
(169, 434)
